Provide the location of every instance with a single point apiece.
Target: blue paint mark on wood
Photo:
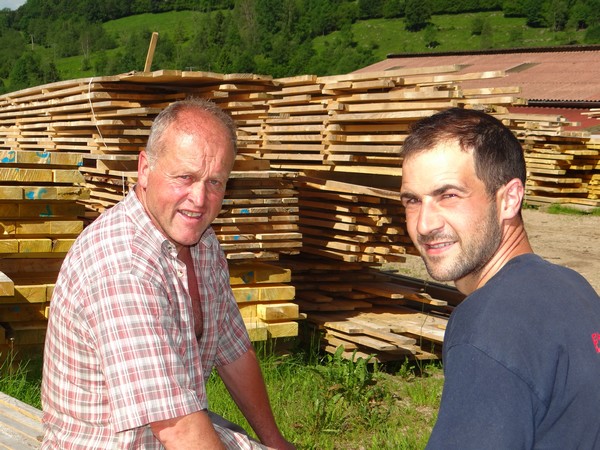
(11, 158)
(31, 195)
(48, 212)
(44, 155)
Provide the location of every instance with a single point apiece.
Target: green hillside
(450, 32)
(278, 38)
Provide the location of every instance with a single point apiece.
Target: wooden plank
(263, 293)
(282, 329)
(368, 341)
(256, 272)
(277, 311)
(20, 424)
(257, 330)
(7, 286)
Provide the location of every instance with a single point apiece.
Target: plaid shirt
(120, 350)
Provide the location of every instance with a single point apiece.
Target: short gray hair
(171, 114)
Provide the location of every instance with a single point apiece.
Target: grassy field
(384, 36)
(452, 33)
(320, 401)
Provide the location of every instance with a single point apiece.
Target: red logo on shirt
(596, 341)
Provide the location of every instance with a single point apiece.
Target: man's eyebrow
(407, 195)
(447, 187)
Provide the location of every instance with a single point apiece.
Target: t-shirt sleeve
(139, 344)
(484, 405)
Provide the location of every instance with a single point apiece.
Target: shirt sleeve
(484, 405)
(139, 342)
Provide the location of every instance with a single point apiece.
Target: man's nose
(430, 218)
(197, 193)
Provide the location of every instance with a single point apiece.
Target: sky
(12, 4)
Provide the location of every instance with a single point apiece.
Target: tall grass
(327, 402)
(22, 380)
(320, 401)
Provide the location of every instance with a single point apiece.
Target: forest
(275, 37)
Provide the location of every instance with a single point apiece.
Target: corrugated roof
(569, 74)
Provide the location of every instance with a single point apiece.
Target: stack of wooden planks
(371, 313)
(40, 218)
(561, 165)
(26, 286)
(316, 179)
(351, 223)
(356, 123)
(69, 151)
(265, 296)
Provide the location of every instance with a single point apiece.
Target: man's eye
(409, 201)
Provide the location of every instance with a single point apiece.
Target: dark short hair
(497, 154)
(172, 113)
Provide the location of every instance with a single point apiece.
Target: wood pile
(316, 179)
(356, 123)
(265, 296)
(562, 166)
(369, 312)
(69, 151)
(40, 218)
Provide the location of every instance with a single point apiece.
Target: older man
(142, 310)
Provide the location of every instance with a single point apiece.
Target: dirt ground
(572, 241)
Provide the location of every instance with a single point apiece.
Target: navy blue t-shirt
(522, 363)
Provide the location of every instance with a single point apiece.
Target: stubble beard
(477, 251)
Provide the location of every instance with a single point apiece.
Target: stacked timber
(69, 151)
(356, 123)
(265, 296)
(40, 218)
(351, 223)
(344, 134)
(561, 165)
(316, 179)
(369, 313)
(259, 219)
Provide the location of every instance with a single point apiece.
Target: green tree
(370, 9)
(477, 25)
(557, 14)
(26, 72)
(535, 13)
(341, 55)
(13, 45)
(100, 63)
(592, 35)
(487, 36)
(513, 8)
(393, 9)
(417, 14)
(430, 36)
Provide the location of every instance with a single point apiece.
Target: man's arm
(194, 431)
(245, 383)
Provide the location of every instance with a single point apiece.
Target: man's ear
(143, 169)
(510, 197)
